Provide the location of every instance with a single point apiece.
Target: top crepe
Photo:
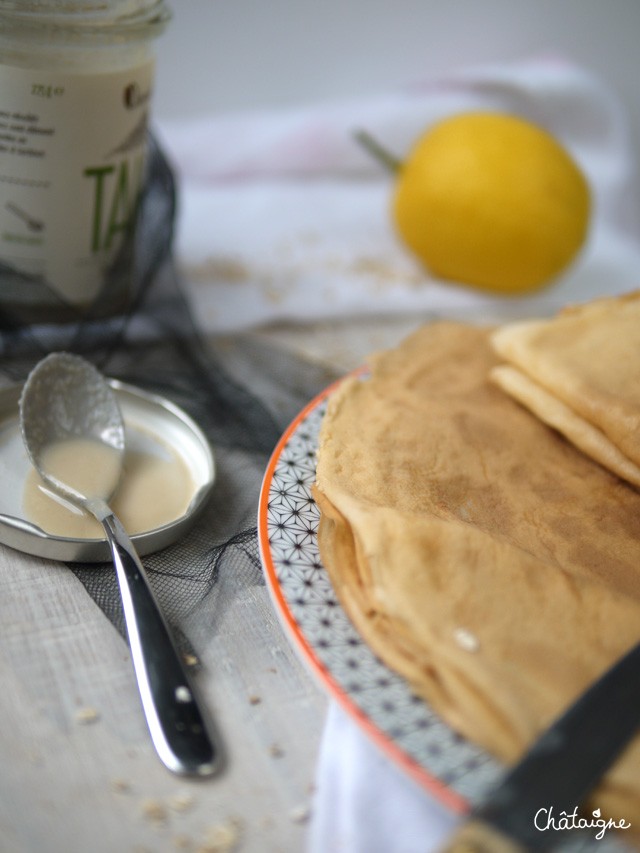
(580, 373)
(478, 552)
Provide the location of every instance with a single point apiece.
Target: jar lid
(153, 423)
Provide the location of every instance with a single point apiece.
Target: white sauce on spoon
(90, 467)
(154, 489)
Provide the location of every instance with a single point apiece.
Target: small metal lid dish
(149, 420)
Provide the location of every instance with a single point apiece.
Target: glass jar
(76, 79)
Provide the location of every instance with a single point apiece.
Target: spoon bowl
(66, 403)
(74, 434)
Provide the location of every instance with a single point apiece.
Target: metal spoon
(66, 399)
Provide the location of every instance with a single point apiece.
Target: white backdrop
(229, 55)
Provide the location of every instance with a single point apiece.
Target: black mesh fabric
(242, 394)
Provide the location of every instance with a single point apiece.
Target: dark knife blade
(561, 768)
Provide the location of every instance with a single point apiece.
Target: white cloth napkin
(365, 804)
(284, 217)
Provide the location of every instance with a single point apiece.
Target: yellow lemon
(493, 201)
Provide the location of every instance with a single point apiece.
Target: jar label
(72, 150)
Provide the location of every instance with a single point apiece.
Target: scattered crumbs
(273, 293)
(220, 269)
(87, 715)
(272, 669)
(384, 273)
(34, 757)
(120, 785)
(190, 660)
(276, 751)
(154, 810)
(466, 639)
(183, 694)
(300, 814)
(182, 802)
(254, 700)
(223, 838)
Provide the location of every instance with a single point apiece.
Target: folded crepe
(580, 373)
(479, 553)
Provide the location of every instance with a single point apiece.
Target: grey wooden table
(79, 772)
(78, 769)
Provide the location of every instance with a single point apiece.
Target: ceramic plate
(451, 768)
(379, 699)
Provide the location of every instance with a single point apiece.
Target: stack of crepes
(488, 550)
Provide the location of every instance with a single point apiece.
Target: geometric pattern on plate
(379, 694)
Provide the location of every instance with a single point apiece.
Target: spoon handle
(176, 723)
